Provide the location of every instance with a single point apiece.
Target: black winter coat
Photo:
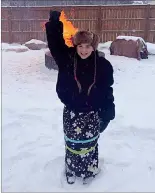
(101, 94)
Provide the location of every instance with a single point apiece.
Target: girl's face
(84, 50)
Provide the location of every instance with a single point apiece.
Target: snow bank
(105, 45)
(151, 48)
(4, 46)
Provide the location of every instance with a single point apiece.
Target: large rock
(36, 44)
(16, 48)
(129, 46)
(49, 61)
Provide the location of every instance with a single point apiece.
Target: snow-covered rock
(129, 46)
(150, 46)
(15, 48)
(36, 44)
(134, 38)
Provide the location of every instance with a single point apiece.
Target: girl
(84, 87)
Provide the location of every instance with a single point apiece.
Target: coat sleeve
(56, 43)
(107, 111)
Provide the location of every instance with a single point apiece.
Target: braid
(75, 69)
(90, 87)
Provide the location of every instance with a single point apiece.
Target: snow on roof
(138, 2)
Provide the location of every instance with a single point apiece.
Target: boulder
(36, 44)
(49, 61)
(16, 48)
(129, 46)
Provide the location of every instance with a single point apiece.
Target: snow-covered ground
(32, 133)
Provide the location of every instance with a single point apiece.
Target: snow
(35, 44)
(17, 49)
(33, 140)
(4, 46)
(138, 2)
(14, 47)
(35, 41)
(151, 48)
(134, 38)
(104, 45)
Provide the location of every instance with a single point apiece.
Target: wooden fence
(20, 24)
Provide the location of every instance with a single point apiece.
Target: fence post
(147, 22)
(10, 25)
(99, 21)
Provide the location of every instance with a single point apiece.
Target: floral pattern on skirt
(81, 137)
